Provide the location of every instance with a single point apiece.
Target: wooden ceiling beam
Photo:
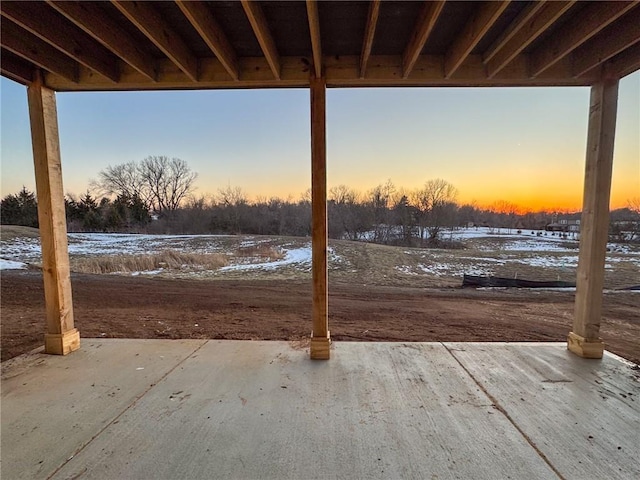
(342, 71)
(624, 63)
(369, 34)
(619, 36)
(47, 24)
(481, 21)
(157, 29)
(421, 31)
(532, 29)
(314, 30)
(586, 24)
(90, 17)
(207, 26)
(521, 20)
(261, 29)
(26, 45)
(13, 67)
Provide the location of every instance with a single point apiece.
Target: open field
(259, 288)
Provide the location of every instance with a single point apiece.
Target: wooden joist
(620, 35)
(49, 26)
(157, 29)
(207, 26)
(518, 24)
(479, 24)
(15, 68)
(260, 27)
(587, 23)
(624, 63)
(369, 34)
(529, 31)
(421, 31)
(314, 30)
(90, 17)
(37, 51)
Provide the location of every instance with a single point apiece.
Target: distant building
(564, 226)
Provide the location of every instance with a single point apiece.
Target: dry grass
(167, 260)
(11, 232)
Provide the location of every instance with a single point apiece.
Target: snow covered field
(487, 252)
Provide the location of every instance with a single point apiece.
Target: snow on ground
(500, 248)
(299, 257)
(11, 265)
(294, 256)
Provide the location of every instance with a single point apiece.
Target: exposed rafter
(620, 35)
(369, 34)
(89, 17)
(138, 45)
(624, 63)
(15, 68)
(43, 22)
(587, 23)
(421, 31)
(521, 20)
(314, 30)
(263, 34)
(144, 16)
(531, 30)
(207, 26)
(40, 53)
(479, 24)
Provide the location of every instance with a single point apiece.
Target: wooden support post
(320, 339)
(584, 340)
(61, 337)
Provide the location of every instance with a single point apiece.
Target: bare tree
(169, 181)
(231, 196)
(159, 182)
(379, 201)
(123, 180)
(434, 205)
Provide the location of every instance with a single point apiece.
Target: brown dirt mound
(133, 307)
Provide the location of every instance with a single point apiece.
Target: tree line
(156, 196)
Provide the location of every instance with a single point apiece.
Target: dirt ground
(134, 307)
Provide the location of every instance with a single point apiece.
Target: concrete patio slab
(583, 415)
(53, 406)
(241, 409)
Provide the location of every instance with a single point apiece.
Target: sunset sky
(523, 145)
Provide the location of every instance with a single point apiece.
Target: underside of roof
(122, 45)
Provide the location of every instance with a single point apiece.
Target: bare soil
(135, 307)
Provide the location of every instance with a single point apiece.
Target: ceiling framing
(123, 45)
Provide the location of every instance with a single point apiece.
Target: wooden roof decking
(120, 45)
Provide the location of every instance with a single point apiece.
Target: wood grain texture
(89, 17)
(369, 35)
(157, 29)
(319, 231)
(207, 26)
(51, 209)
(594, 224)
(260, 27)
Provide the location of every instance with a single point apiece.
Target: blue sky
(525, 145)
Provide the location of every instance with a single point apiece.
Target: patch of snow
(454, 270)
(549, 261)
(295, 256)
(11, 265)
(147, 272)
(406, 269)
